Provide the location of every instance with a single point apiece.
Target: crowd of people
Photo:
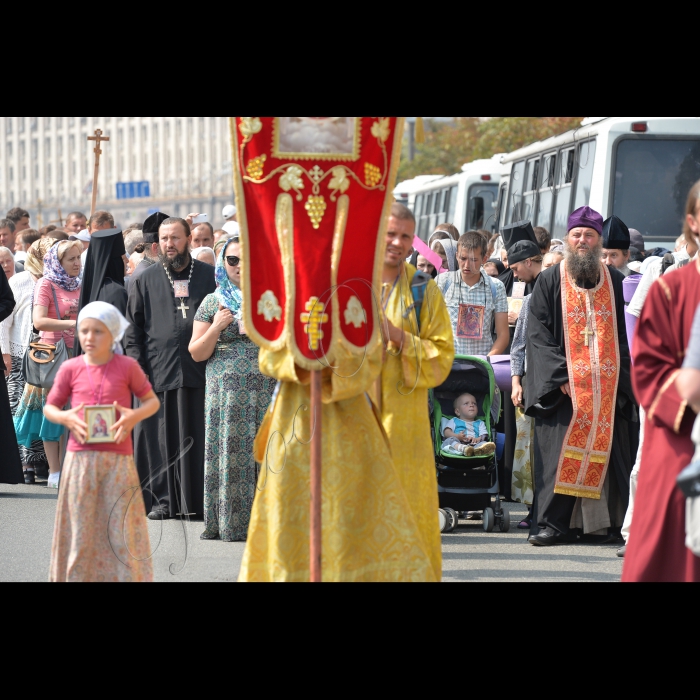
(146, 330)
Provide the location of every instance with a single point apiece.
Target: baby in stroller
(464, 434)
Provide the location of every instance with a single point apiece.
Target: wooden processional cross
(98, 138)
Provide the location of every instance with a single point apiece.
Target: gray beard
(180, 262)
(584, 268)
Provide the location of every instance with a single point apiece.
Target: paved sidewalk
(26, 530)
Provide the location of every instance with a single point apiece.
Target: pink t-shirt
(123, 377)
(68, 303)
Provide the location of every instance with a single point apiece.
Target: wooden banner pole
(316, 476)
(98, 138)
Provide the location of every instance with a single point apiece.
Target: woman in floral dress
(238, 397)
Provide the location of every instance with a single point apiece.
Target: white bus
(467, 200)
(639, 168)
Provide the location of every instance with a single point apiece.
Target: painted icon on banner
(470, 324)
(317, 137)
(182, 289)
(99, 420)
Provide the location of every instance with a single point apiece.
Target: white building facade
(47, 165)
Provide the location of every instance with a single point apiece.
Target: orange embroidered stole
(593, 355)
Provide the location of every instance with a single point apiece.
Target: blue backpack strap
(494, 292)
(419, 286)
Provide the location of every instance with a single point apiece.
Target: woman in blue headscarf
(237, 398)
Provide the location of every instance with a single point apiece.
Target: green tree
(448, 146)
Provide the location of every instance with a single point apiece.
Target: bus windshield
(652, 181)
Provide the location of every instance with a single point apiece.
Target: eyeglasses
(233, 261)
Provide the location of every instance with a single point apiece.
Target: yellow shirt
(424, 362)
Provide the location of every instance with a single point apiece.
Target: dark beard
(178, 263)
(584, 268)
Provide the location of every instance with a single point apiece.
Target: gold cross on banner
(589, 334)
(98, 138)
(313, 320)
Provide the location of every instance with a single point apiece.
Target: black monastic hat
(616, 235)
(522, 231)
(523, 250)
(151, 227)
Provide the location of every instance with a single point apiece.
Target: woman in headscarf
(105, 270)
(60, 284)
(101, 531)
(447, 250)
(237, 398)
(15, 335)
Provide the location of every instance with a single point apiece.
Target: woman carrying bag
(16, 334)
(56, 301)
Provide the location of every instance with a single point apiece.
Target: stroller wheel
(453, 519)
(489, 520)
(444, 520)
(504, 525)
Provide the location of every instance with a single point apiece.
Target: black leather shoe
(621, 552)
(159, 514)
(29, 478)
(546, 538)
(42, 472)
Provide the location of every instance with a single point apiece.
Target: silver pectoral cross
(589, 334)
(185, 309)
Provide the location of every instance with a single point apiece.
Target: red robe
(657, 551)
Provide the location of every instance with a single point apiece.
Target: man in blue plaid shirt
(477, 303)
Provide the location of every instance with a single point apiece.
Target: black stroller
(468, 484)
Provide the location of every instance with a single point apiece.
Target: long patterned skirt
(31, 425)
(523, 484)
(34, 454)
(101, 531)
(238, 397)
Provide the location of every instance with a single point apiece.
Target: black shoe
(159, 514)
(209, 538)
(621, 552)
(42, 472)
(29, 478)
(546, 538)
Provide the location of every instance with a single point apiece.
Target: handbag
(42, 361)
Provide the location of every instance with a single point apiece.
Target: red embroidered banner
(593, 353)
(313, 196)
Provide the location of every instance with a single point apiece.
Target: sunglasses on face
(233, 261)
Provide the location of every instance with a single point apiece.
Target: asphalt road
(26, 530)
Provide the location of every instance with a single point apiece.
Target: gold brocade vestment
(369, 532)
(423, 363)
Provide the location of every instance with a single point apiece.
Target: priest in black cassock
(150, 239)
(10, 462)
(163, 301)
(574, 354)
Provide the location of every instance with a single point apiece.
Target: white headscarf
(110, 316)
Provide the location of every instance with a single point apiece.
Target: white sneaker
(54, 480)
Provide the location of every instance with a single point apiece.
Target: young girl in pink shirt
(101, 531)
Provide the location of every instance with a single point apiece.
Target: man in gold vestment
(419, 358)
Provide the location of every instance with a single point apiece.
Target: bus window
(546, 198)
(517, 182)
(439, 202)
(532, 174)
(500, 208)
(452, 204)
(418, 209)
(652, 181)
(562, 208)
(482, 199)
(584, 174)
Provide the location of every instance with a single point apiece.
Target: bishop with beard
(578, 388)
(163, 301)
